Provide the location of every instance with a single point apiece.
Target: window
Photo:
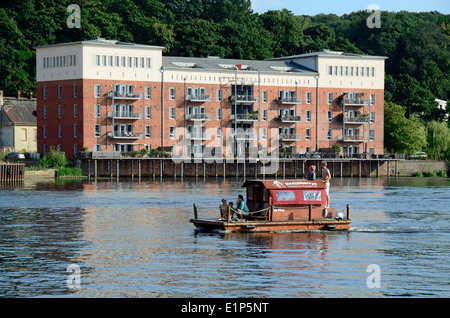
(44, 112)
(264, 96)
(24, 134)
(308, 149)
(362, 71)
(308, 134)
(97, 90)
(367, 71)
(75, 110)
(373, 71)
(172, 132)
(219, 113)
(44, 131)
(44, 92)
(330, 116)
(372, 99)
(330, 70)
(59, 131)
(147, 62)
(308, 116)
(148, 92)
(129, 62)
(97, 131)
(172, 93)
(330, 98)
(356, 71)
(346, 71)
(335, 70)
(372, 117)
(97, 60)
(117, 58)
(351, 71)
(98, 147)
(148, 112)
(171, 112)
(136, 62)
(74, 90)
(75, 131)
(123, 61)
(59, 91)
(219, 95)
(142, 62)
(308, 97)
(285, 195)
(148, 131)
(219, 133)
(329, 134)
(45, 149)
(340, 70)
(371, 134)
(74, 60)
(110, 60)
(97, 111)
(75, 150)
(59, 111)
(264, 133)
(264, 114)
(104, 60)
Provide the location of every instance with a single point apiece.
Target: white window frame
(308, 116)
(308, 134)
(308, 97)
(148, 112)
(148, 92)
(97, 111)
(148, 131)
(97, 131)
(172, 112)
(219, 113)
(97, 90)
(172, 93)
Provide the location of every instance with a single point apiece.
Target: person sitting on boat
(312, 173)
(223, 209)
(242, 209)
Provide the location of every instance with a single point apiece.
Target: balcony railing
(354, 138)
(124, 135)
(198, 136)
(289, 100)
(289, 118)
(124, 115)
(246, 98)
(123, 95)
(201, 117)
(245, 136)
(356, 102)
(290, 137)
(244, 117)
(198, 98)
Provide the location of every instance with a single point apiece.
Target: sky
(340, 7)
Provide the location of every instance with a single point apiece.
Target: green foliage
(438, 137)
(419, 174)
(442, 174)
(54, 159)
(402, 134)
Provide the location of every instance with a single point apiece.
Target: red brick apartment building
(114, 96)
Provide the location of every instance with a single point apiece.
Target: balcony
(290, 137)
(245, 117)
(124, 135)
(201, 117)
(123, 95)
(124, 115)
(289, 119)
(198, 136)
(198, 98)
(289, 100)
(355, 102)
(245, 98)
(354, 138)
(244, 136)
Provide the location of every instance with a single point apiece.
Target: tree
(402, 134)
(438, 137)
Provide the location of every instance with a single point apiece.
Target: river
(132, 238)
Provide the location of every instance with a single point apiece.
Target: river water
(132, 238)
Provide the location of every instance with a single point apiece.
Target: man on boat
(223, 209)
(312, 173)
(326, 176)
(242, 210)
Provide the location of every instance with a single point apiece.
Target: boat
(281, 206)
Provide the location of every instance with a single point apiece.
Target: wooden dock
(12, 173)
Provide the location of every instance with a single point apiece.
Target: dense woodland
(417, 46)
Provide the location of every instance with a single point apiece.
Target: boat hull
(274, 226)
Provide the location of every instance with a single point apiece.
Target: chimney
(31, 95)
(18, 95)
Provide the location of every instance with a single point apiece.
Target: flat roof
(103, 42)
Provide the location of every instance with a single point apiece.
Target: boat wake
(412, 229)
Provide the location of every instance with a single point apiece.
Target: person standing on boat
(242, 210)
(223, 209)
(326, 176)
(312, 173)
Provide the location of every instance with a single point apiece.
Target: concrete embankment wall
(290, 168)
